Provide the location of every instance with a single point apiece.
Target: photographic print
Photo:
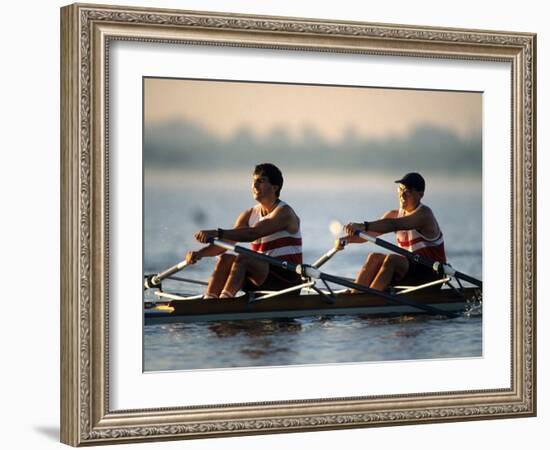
(307, 200)
(295, 224)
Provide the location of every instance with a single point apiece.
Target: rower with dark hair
(417, 231)
(274, 230)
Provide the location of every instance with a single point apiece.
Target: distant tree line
(180, 144)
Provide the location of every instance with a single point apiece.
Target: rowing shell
(291, 306)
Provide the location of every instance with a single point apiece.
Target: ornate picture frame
(87, 31)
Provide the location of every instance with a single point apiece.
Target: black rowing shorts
(277, 279)
(419, 274)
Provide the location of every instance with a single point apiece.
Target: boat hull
(293, 306)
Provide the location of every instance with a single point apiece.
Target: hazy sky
(225, 107)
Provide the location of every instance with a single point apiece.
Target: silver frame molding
(86, 33)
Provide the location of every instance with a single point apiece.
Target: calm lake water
(176, 206)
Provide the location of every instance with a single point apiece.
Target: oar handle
(155, 280)
(394, 248)
(301, 269)
(246, 251)
(438, 267)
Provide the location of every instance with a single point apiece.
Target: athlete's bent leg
(369, 269)
(219, 275)
(244, 266)
(394, 266)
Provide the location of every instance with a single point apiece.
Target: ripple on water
(312, 340)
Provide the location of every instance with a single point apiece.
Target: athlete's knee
(225, 259)
(391, 260)
(374, 258)
(242, 260)
(377, 256)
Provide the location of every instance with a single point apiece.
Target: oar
(312, 272)
(335, 228)
(323, 259)
(438, 267)
(152, 281)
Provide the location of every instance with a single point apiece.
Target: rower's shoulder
(425, 209)
(431, 226)
(288, 212)
(428, 216)
(245, 215)
(284, 206)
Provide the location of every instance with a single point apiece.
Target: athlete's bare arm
(421, 220)
(214, 250)
(354, 239)
(282, 219)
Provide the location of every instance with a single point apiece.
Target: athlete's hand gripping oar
(438, 267)
(312, 272)
(335, 228)
(153, 281)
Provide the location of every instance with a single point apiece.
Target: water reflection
(260, 339)
(255, 328)
(308, 340)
